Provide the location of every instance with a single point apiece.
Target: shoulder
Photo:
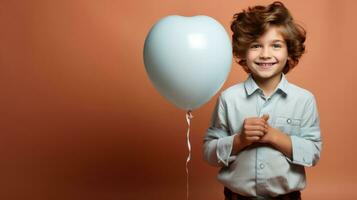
(233, 93)
(300, 94)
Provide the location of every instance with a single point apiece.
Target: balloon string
(189, 116)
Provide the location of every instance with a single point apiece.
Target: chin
(265, 75)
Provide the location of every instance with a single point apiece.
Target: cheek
(282, 56)
(251, 56)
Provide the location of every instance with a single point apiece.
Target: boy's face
(267, 56)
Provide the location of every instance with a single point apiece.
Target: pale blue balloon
(188, 59)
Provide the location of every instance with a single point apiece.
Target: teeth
(266, 64)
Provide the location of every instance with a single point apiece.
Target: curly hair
(247, 26)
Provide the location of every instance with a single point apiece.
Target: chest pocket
(288, 125)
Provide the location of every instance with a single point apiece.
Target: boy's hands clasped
(256, 129)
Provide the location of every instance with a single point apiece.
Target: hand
(270, 135)
(277, 139)
(253, 130)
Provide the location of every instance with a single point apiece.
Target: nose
(265, 53)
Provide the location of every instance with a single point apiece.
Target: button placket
(263, 105)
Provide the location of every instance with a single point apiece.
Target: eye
(277, 46)
(255, 46)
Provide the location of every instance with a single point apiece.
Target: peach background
(81, 120)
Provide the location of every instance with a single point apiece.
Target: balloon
(187, 59)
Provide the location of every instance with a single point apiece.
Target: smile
(265, 64)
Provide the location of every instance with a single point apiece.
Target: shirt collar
(283, 84)
(251, 86)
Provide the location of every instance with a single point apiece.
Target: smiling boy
(266, 130)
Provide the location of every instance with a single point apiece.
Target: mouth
(265, 65)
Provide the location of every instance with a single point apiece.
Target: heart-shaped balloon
(188, 59)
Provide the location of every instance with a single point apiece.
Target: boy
(266, 130)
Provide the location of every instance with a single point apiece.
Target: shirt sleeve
(306, 146)
(218, 141)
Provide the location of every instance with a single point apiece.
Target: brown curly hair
(247, 26)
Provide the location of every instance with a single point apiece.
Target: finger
(254, 133)
(256, 121)
(265, 117)
(253, 138)
(253, 119)
(256, 128)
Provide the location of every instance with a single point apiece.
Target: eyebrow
(272, 41)
(278, 41)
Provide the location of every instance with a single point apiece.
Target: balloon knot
(189, 114)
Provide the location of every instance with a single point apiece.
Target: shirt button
(261, 165)
(288, 121)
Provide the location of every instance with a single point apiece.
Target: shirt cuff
(224, 150)
(300, 152)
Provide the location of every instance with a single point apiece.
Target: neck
(268, 85)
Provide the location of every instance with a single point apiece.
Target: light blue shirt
(262, 170)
